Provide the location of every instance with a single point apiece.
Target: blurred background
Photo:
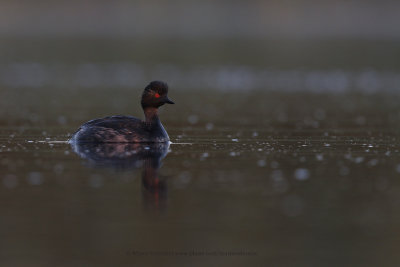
(269, 45)
(285, 132)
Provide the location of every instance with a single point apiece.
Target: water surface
(280, 179)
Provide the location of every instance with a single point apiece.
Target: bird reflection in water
(125, 156)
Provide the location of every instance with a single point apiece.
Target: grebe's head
(155, 95)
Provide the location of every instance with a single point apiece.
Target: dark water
(284, 153)
(251, 178)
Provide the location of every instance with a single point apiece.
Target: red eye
(157, 95)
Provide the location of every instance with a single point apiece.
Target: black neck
(151, 114)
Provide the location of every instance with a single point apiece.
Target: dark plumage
(127, 129)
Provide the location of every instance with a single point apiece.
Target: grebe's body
(127, 129)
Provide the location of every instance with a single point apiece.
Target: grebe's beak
(168, 101)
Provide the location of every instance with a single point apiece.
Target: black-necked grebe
(127, 129)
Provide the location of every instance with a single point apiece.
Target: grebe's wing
(114, 122)
(114, 129)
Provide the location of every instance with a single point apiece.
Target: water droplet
(398, 168)
(10, 181)
(276, 175)
(96, 180)
(343, 171)
(62, 120)
(373, 162)
(204, 156)
(381, 183)
(58, 168)
(193, 119)
(261, 163)
(301, 174)
(282, 117)
(183, 180)
(209, 126)
(319, 114)
(292, 206)
(185, 177)
(361, 120)
(359, 159)
(35, 178)
(279, 183)
(274, 164)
